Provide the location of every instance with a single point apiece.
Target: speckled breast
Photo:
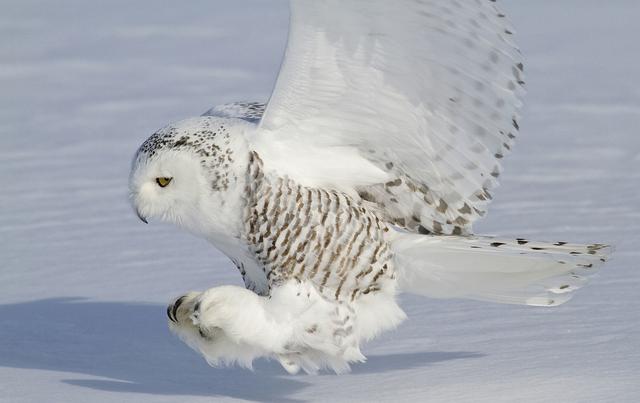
(296, 232)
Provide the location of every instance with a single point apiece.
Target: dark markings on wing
(249, 111)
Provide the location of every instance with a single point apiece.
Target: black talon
(174, 309)
(169, 313)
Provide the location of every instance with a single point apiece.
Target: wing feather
(409, 104)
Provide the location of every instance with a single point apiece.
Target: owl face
(168, 186)
(190, 173)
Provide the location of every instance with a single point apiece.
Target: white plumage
(379, 148)
(425, 90)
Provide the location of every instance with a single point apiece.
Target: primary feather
(511, 271)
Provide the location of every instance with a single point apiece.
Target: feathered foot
(296, 325)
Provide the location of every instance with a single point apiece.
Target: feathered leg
(295, 324)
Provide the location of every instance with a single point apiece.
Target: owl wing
(409, 105)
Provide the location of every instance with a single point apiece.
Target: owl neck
(219, 213)
(230, 237)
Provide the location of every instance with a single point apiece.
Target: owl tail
(510, 271)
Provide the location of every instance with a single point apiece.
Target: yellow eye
(162, 182)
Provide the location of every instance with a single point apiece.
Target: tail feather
(512, 271)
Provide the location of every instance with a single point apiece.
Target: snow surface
(83, 284)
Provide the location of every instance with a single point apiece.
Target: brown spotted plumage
(322, 236)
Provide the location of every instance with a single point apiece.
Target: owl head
(190, 173)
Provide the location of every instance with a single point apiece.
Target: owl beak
(141, 217)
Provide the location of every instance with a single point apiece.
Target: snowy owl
(359, 180)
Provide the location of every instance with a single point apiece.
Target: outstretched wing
(408, 104)
(249, 111)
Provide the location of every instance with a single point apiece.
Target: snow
(83, 284)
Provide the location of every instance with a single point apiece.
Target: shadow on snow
(130, 345)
